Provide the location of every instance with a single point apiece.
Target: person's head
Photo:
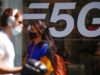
(12, 21)
(36, 30)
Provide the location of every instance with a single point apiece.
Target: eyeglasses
(20, 22)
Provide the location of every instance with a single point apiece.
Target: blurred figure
(11, 25)
(96, 61)
(39, 48)
(43, 48)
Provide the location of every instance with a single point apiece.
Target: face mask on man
(17, 30)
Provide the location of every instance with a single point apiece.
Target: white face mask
(17, 30)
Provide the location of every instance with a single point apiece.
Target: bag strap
(43, 42)
(32, 52)
(26, 55)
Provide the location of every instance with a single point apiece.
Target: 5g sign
(67, 18)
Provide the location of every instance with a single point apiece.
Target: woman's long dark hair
(44, 31)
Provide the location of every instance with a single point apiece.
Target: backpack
(59, 63)
(60, 68)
